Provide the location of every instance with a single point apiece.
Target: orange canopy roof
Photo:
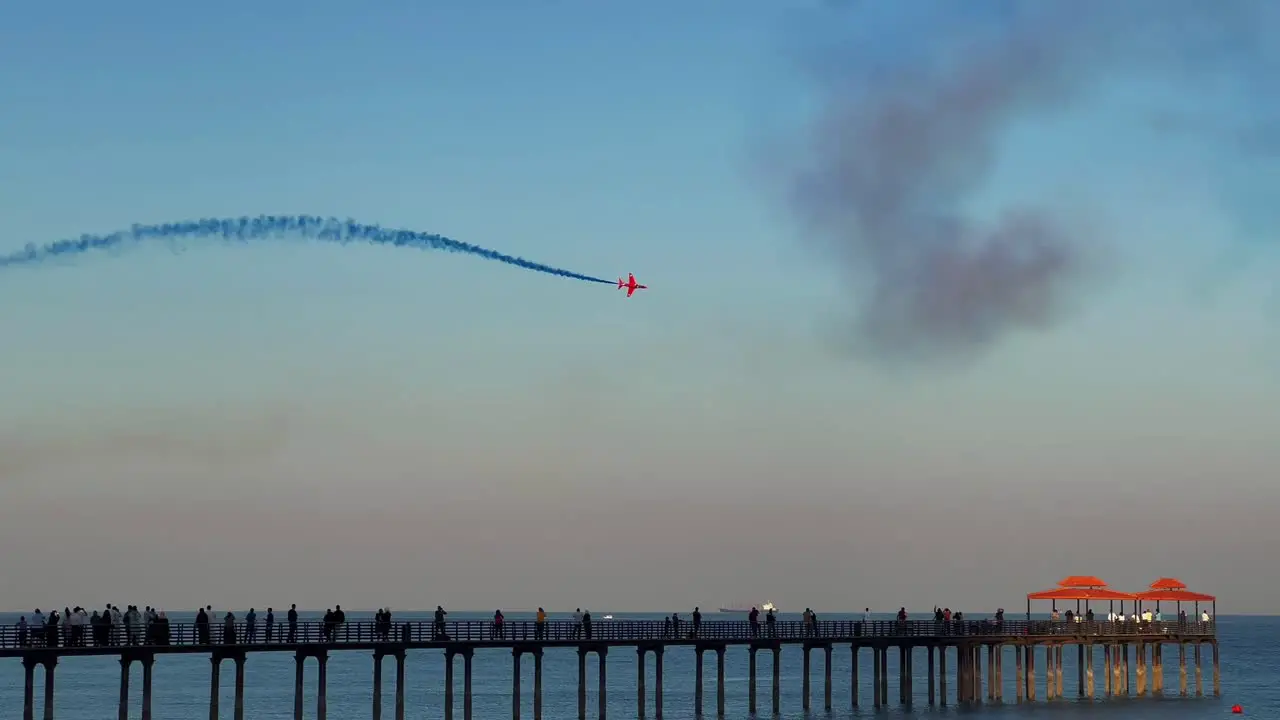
(1175, 596)
(1080, 593)
(1173, 590)
(1081, 581)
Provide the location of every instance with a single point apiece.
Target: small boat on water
(747, 608)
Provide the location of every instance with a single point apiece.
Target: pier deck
(963, 641)
(424, 634)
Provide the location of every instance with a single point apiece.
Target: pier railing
(482, 632)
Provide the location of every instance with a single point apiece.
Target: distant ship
(740, 609)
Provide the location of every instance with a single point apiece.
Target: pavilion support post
(1142, 668)
(1080, 669)
(1019, 678)
(972, 681)
(1059, 675)
(1158, 661)
(999, 676)
(1199, 676)
(1217, 675)
(1088, 670)
(991, 673)
(1182, 669)
(1049, 684)
(1031, 673)
(1113, 669)
(1126, 670)
(1106, 669)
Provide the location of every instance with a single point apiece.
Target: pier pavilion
(961, 642)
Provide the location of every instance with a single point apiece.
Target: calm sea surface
(88, 688)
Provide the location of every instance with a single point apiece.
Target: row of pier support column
(1122, 663)
(29, 690)
(1148, 663)
(1147, 666)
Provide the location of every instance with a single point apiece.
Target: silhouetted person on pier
(753, 617)
(339, 622)
(771, 623)
(202, 627)
(327, 632)
(117, 625)
(697, 621)
(586, 623)
(666, 627)
(162, 622)
(73, 625)
(38, 627)
(71, 622)
(22, 632)
(439, 623)
(51, 629)
(270, 624)
(133, 623)
(293, 624)
(251, 626)
(229, 629)
(496, 630)
(576, 632)
(540, 625)
(100, 626)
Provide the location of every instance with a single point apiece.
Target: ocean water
(88, 687)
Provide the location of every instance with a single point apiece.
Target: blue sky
(348, 402)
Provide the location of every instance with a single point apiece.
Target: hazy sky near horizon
(819, 403)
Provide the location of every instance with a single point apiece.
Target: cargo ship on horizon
(741, 609)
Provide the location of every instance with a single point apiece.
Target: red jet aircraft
(631, 285)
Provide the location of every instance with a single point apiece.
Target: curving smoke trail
(244, 229)
(914, 110)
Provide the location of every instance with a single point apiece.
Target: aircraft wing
(631, 289)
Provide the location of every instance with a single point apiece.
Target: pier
(960, 654)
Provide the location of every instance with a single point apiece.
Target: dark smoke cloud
(209, 438)
(908, 132)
